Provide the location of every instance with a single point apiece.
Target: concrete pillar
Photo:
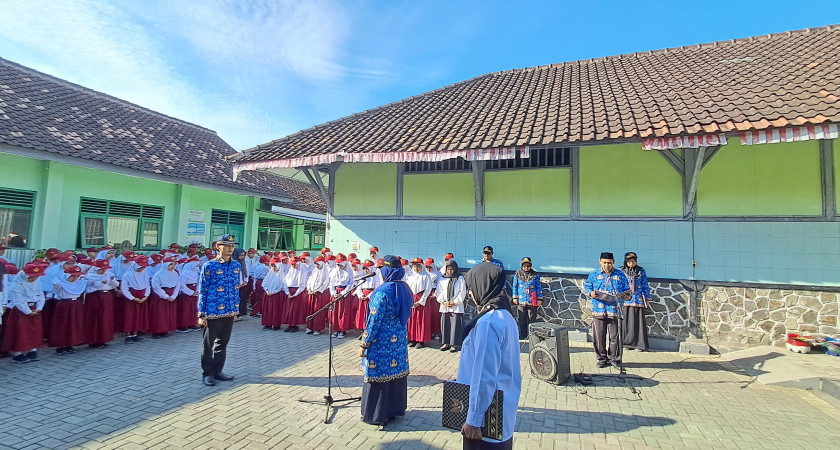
(49, 209)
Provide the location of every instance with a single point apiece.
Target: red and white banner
(665, 143)
(484, 154)
(791, 134)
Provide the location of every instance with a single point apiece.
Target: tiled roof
(41, 112)
(755, 83)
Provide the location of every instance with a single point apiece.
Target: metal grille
(448, 165)
(17, 199)
(541, 157)
(274, 223)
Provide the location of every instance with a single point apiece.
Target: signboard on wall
(196, 228)
(318, 239)
(354, 245)
(196, 215)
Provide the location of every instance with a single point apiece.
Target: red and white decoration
(792, 134)
(665, 143)
(484, 154)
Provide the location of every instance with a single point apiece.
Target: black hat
(630, 255)
(526, 260)
(607, 255)
(226, 239)
(392, 262)
(488, 249)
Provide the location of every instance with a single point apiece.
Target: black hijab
(237, 252)
(486, 281)
(450, 287)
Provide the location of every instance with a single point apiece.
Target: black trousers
(214, 352)
(601, 328)
(244, 296)
(526, 314)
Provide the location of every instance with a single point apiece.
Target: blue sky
(259, 70)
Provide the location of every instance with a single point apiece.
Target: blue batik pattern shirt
(640, 287)
(386, 357)
(217, 293)
(615, 283)
(522, 289)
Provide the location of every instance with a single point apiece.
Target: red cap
(174, 245)
(403, 261)
(92, 249)
(193, 246)
(283, 254)
(374, 249)
(357, 262)
(368, 263)
(127, 253)
(319, 259)
(102, 264)
(11, 269)
(331, 258)
(142, 261)
(264, 259)
(379, 262)
(172, 259)
(429, 262)
(51, 253)
(284, 260)
(252, 250)
(275, 260)
(73, 270)
(85, 261)
(293, 261)
(448, 256)
(325, 250)
(305, 255)
(34, 270)
(340, 258)
(416, 261)
(352, 256)
(108, 247)
(157, 257)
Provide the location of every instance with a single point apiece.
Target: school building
(79, 168)
(716, 163)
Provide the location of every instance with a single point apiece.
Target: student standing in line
(419, 324)
(258, 272)
(452, 291)
(366, 288)
(23, 330)
(99, 304)
(341, 277)
(295, 312)
(275, 296)
(135, 288)
(318, 290)
(186, 307)
(67, 327)
(434, 276)
(166, 285)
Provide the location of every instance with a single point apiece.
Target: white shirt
(435, 277)
(490, 362)
(420, 282)
(460, 295)
(296, 277)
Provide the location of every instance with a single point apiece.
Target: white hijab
(189, 273)
(21, 287)
(136, 280)
(95, 279)
(165, 277)
(319, 279)
(273, 281)
(76, 288)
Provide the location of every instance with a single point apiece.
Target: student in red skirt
(419, 324)
(166, 285)
(318, 295)
(341, 277)
(186, 307)
(295, 312)
(22, 331)
(434, 275)
(135, 288)
(67, 322)
(99, 304)
(258, 272)
(275, 296)
(366, 288)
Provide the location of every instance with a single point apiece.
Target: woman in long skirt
(99, 304)
(186, 307)
(318, 290)
(166, 284)
(341, 277)
(634, 329)
(23, 326)
(452, 291)
(258, 273)
(275, 296)
(367, 288)
(384, 349)
(67, 327)
(136, 288)
(420, 323)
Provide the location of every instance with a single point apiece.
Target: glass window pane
(288, 243)
(14, 226)
(262, 240)
(122, 229)
(94, 232)
(151, 235)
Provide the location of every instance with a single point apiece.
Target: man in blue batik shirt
(605, 286)
(488, 257)
(218, 306)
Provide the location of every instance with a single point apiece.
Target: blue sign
(196, 228)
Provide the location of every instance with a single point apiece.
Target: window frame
(30, 209)
(141, 218)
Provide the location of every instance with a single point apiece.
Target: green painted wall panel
(768, 179)
(529, 192)
(624, 180)
(366, 189)
(18, 172)
(439, 194)
(837, 173)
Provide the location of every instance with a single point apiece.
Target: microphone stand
(328, 399)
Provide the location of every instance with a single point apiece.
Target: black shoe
(294, 329)
(420, 345)
(138, 339)
(412, 344)
(156, 336)
(602, 364)
(209, 381)
(266, 327)
(616, 364)
(61, 351)
(20, 358)
(129, 340)
(33, 356)
(183, 330)
(69, 350)
(288, 329)
(221, 376)
(444, 348)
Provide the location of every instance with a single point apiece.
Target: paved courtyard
(149, 395)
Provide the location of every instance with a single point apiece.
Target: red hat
(142, 261)
(264, 259)
(34, 270)
(284, 260)
(448, 256)
(368, 263)
(101, 264)
(417, 261)
(283, 254)
(63, 257)
(172, 259)
(11, 269)
(325, 250)
(252, 250)
(357, 262)
(352, 256)
(174, 245)
(193, 259)
(157, 257)
(208, 251)
(73, 270)
(108, 247)
(319, 259)
(127, 253)
(275, 260)
(340, 258)
(305, 255)
(293, 260)
(42, 261)
(51, 253)
(403, 261)
(85, 261)
(193, 246)
(429, 262)
(331, 258)
(374, 249)
(379, 262)
(92, 250)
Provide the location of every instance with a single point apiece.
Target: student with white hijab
(186, 307)
(23, 331)
(318, 290)
(136, 288)
(99, 304)
(166, 284)
(67, 322)
(276, 292)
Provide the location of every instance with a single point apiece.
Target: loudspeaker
(549, 355)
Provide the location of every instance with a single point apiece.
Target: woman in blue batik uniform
(634, 328)
(527, 294)
(384, 349)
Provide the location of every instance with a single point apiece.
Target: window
(540, 157)
(105, 222)
(16, 217)
(447, 165)
(227, 222)
(275, 234)
(313, 235)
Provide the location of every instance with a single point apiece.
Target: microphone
(366, 276)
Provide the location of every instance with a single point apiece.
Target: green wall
(528, 192)
(769, 179)
(366, 189)
(17, 172)
(624, 180)
(837, 173)
(439, 194)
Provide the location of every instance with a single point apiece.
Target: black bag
(456, 403)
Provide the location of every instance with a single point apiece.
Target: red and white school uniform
(99, 306)
(341, 278)
(276, 293)
(420, 322)
(318, 290)
(166, 285)
(68, 319)
(135, 314)
(434, 275)
(294, 313)
(23, 332)
(365, 290)
(258, 273)
(186, 307)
